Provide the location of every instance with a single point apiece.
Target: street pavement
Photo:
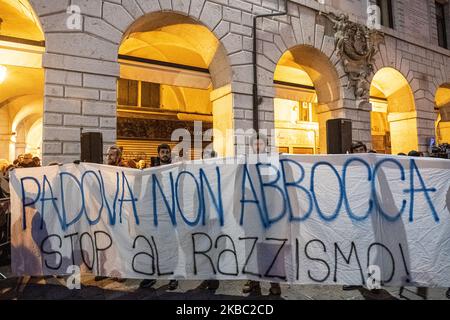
(52, 288)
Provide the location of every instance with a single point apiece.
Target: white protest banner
(341, 219)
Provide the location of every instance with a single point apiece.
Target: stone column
(222, 105)
(403, 126)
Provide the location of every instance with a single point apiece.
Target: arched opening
(442, 101)
(307, 90)
(174, 73)
(21, 80)
(393, 116)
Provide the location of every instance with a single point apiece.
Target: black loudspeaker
(339, 136)
(92, 147)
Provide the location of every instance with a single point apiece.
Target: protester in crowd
(164, 158)
(258, 143)
(3, 164)
(3, 183)
(358, 147)
(22, 161)
(27, 161)
(164, 154)
(209, 284)
(8, 169)
(414, 153)
(209, 154)
(114, 157)
(20, 158)
(401, 154)
(37, 161)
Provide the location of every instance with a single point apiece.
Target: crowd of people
(360, 147)
(26, 160)
(115, 158)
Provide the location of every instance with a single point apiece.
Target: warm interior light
(2, 73)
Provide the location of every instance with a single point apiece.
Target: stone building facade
(82, 66)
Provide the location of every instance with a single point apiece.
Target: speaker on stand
(339, 136)
(92, 147)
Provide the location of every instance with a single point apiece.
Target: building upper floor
(423, 22)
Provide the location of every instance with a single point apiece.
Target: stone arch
(28, 25)
(305, 30)
(21, 93)
(389, 58)
(394, 115)
(422, 81)
(309, 34)
(166, 40)
(93, 54)
(216, 59)
(305, 68)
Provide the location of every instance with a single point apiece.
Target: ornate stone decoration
(356, 45)
(151, 129)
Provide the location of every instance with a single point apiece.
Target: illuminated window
(133, 93)
(128, 93)
(150, 95)
(387, 19)
(305, 111)
(441, 25)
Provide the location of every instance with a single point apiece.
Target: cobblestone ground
(52, 288)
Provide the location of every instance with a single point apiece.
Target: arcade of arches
(393, 116)
(21, 80)
(307, 89)
(173, 73)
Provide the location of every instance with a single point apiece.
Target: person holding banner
(258, 143)
(114, 158)
(357, 147)
(164, 158)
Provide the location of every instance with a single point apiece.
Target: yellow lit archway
(22, 84)
(442, 101)
(307, 89)
(393, 116)
(173, 72)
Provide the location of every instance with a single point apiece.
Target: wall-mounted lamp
(3, 72)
